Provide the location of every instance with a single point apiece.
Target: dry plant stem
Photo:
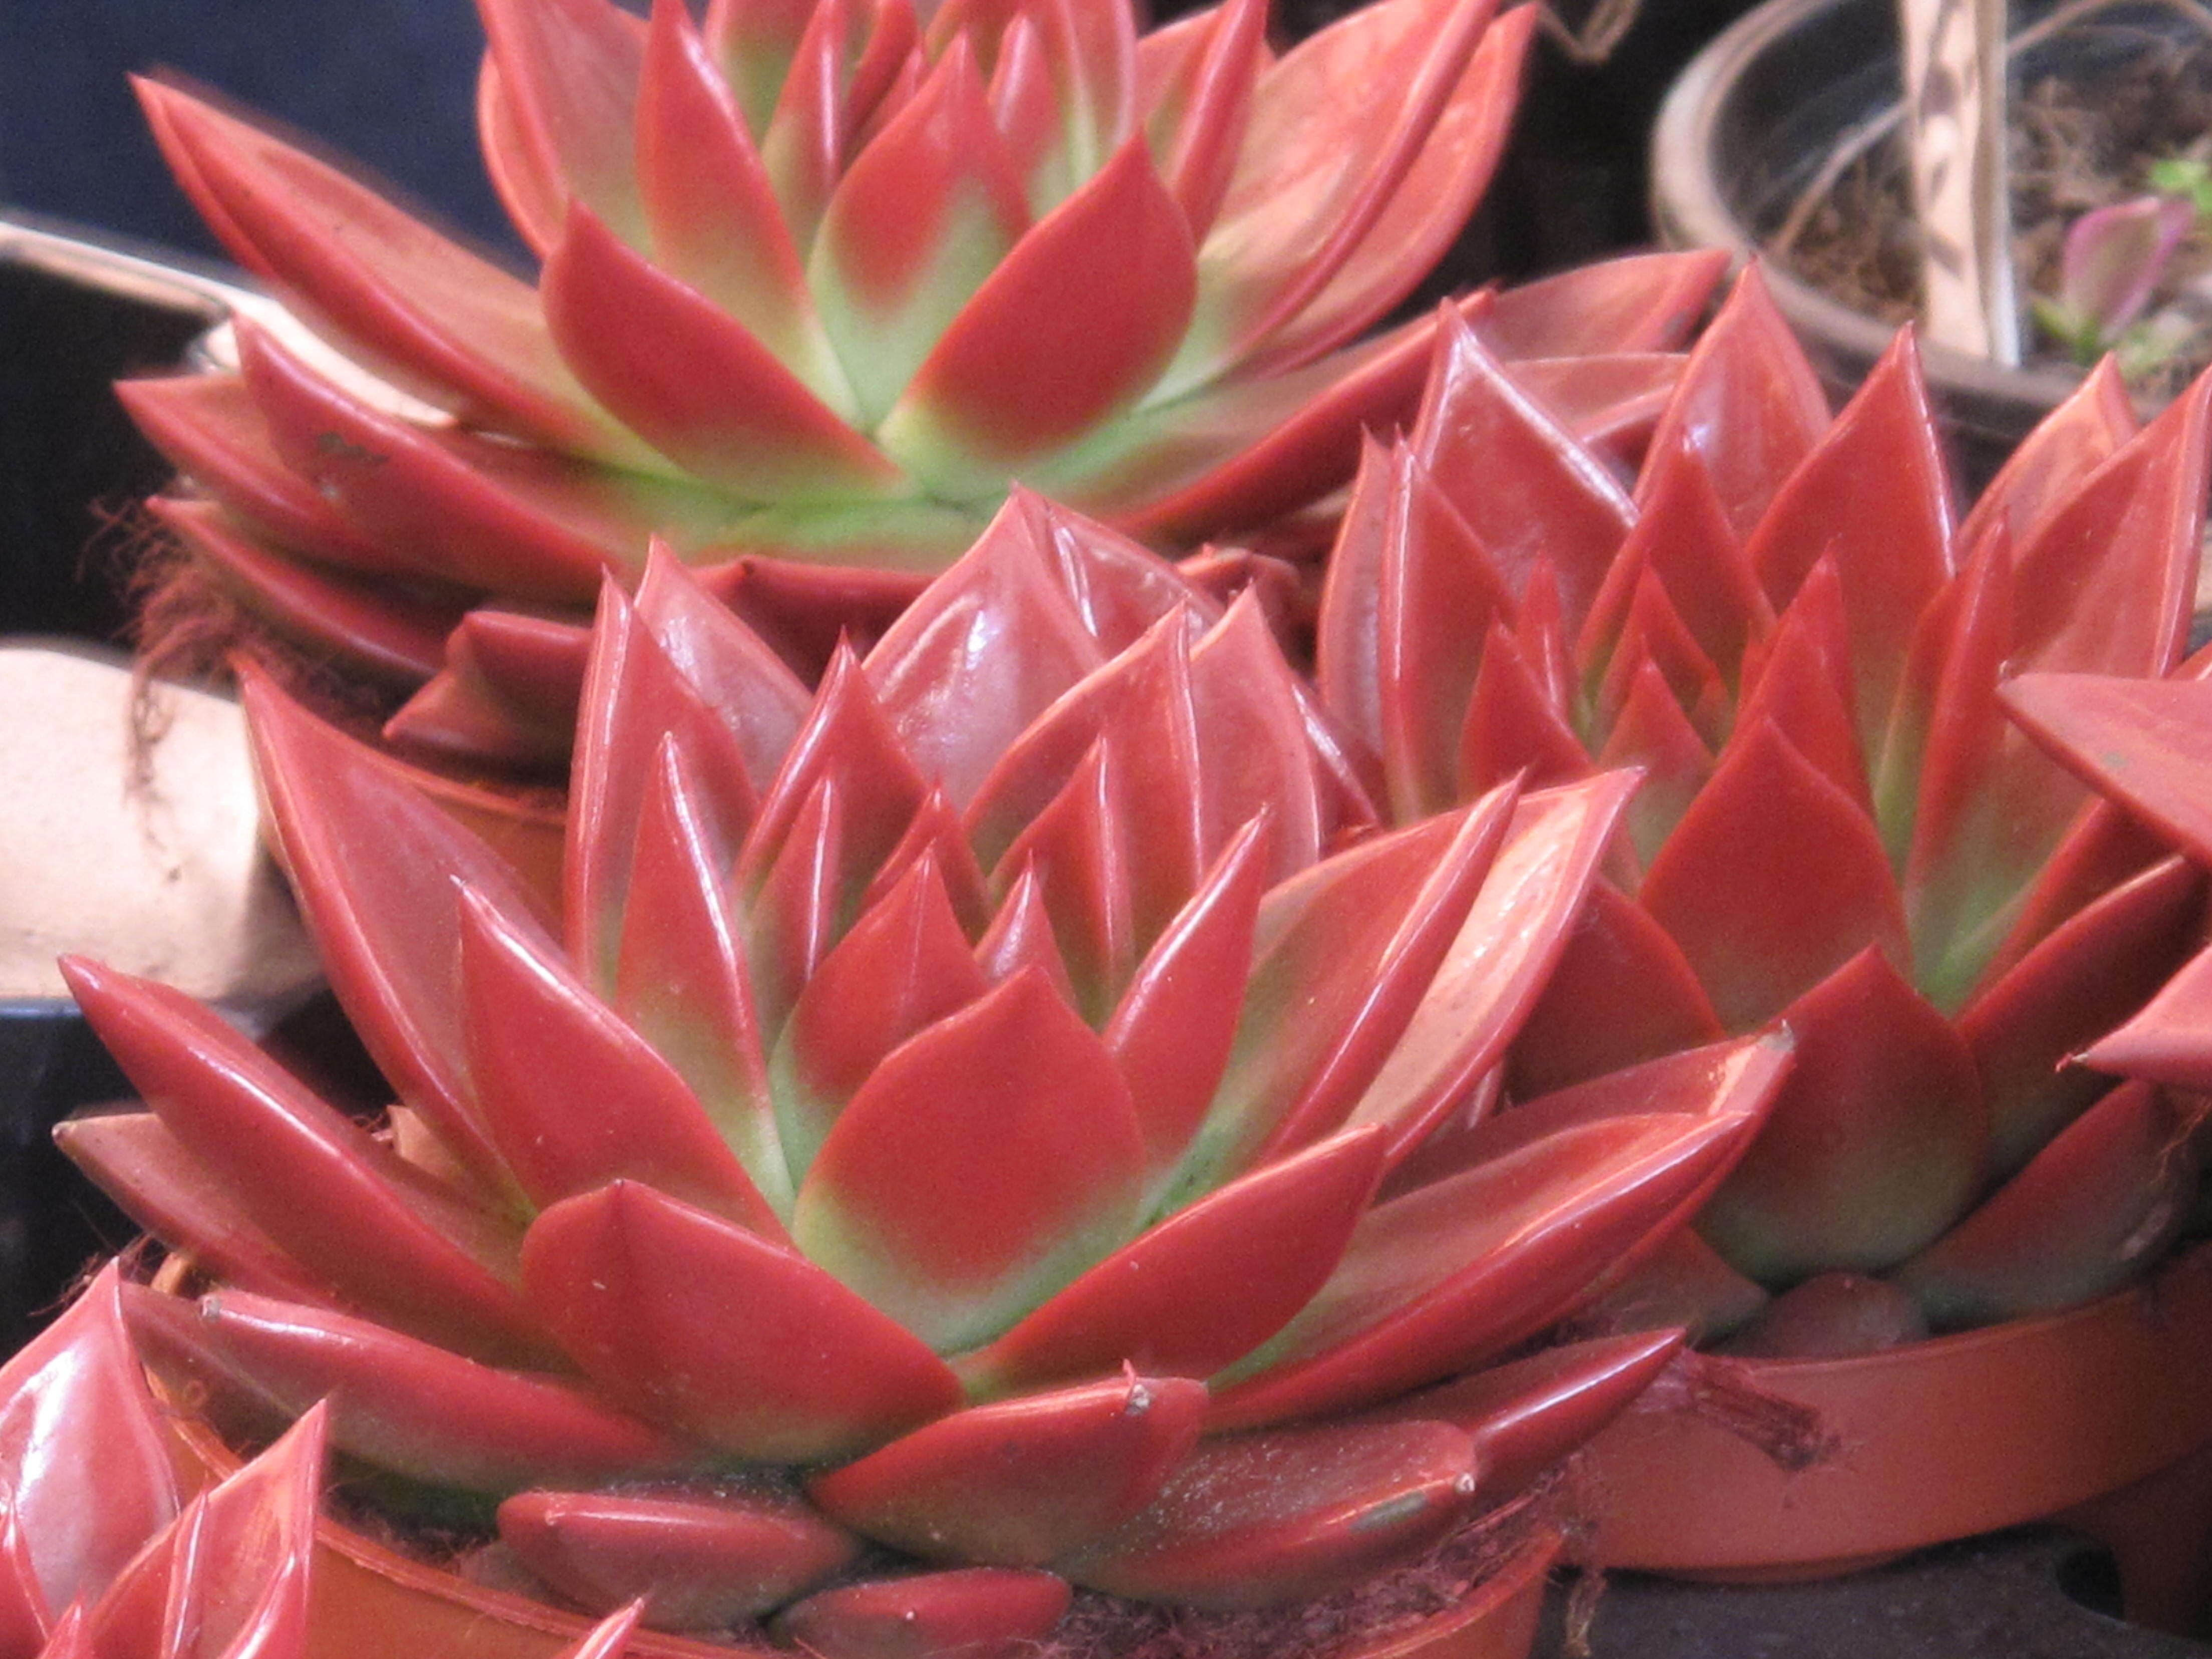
(1884, 121)
(1593, 40)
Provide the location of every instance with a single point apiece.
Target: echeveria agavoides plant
(1785, 624)
(818, 281)
(1010, 1107)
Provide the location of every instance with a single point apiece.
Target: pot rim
(1689, 210)
(1936, 1440)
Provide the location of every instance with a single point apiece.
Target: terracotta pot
(1940, 1440)
(371, 1602)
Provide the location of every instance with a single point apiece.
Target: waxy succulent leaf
(700, 1561)
(868, 269)
(973, 1124)
(1843, 825)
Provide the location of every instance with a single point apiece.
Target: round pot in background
(1753, 119)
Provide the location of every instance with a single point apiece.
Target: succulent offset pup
(818, 281)
(1840, 830)
(115, 1558)
(1008, 1106)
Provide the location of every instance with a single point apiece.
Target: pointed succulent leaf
(1514, 726)
(1257, 1519)
(1495, 967)
(1655, 737)
(156, 1181)
(692, 381)
(936, 834)
(401, 1403)
(714, 1331)
(680, 979)
(229, 1578)
(1438, 592)
(2101, 1200)
(706, 197)
(1019, 371)
(1529, 491)
(905, 966)
(87, 1476)
(507, 692)
(1266, 745)
(1021, 1482)
(922, 217)
(1173, 1031)
(1139, 714)
(1021, 937)
(465, 508)
(1807, 880)
(348, 1209)
(848, 741)
(1873, 496)
(637, 698)
(1011, 1102)
(1876, 1144)
(2065, 447)
(2145, 743)
(1622, 992)
(791, 920)
(1342, 957)
(995, 1611)
(1738, 1076)
(1986, 812)
(731, 668)
(1527, 1414)
(2169, 1041)
(956, 688)
(1377, 252)
(1683, 537)
(1748, 405)
(1367, 557)
(208, 424)
(1334, 129)
(2106, 586)
(1645, 302)
(696, 1560)
(448, 323)
(1205, 1286)
(1440, 1278)
(1195, 114)
(1073, 854)
(821, 104)
(568, 85)
(1655, 646)
(1160, 475)
(2093, 974)
(570, 1094)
